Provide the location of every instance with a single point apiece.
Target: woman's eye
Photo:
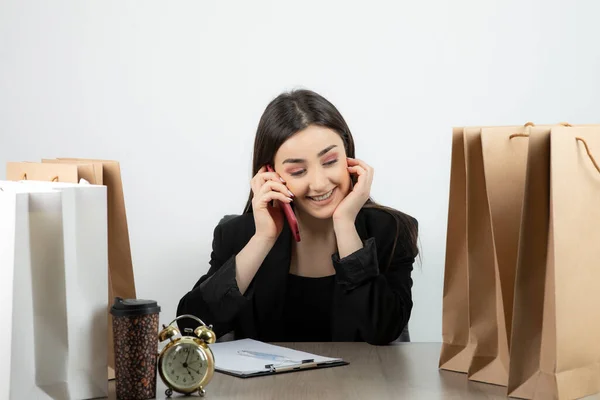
(331, 162)
(297, 173)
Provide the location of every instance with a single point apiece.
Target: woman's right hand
(267, 188)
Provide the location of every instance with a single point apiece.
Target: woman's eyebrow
(301, 160)
(325, 150)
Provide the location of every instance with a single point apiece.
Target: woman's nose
(319, 182)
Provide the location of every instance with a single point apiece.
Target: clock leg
(201, 392)
(168, 392)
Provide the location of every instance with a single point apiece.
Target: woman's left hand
(348, 209)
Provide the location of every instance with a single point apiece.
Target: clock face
(184, 365)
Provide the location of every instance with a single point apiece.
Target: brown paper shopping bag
(469, 246)
(456, 350)
(121, 278)
(469, 305)
(481, 257)
(555, 350)
(496, 173)
(531, 270)
(34, 171)
(494, 214)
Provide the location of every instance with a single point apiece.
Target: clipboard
(248, 358)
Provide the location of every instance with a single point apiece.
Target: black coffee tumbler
(135, 330)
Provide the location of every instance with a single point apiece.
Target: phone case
(289, 214)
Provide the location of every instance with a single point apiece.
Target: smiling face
(313, 164)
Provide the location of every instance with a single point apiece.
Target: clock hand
(198, 372)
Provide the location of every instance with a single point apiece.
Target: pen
(304, 365)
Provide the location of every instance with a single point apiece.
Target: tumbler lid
(133, 307)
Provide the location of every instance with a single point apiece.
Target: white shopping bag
(59, 317)
(11, 205)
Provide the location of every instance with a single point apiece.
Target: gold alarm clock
(186, 364)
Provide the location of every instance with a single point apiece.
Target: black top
(371, 302)
(307, 313)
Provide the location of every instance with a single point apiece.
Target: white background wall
(175, 90)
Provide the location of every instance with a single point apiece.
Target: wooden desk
(400, 371)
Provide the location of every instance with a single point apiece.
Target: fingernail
(281, 179)
(291, 194)
(289, 199)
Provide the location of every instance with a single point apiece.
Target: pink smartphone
(289, 214)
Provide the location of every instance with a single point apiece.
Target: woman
(349, 277)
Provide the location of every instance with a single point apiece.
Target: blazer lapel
(341, 329)
(270, 283)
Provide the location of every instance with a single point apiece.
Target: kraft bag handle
(24, 178)
(528, 125)
(587, 149)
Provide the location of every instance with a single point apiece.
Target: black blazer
(370, 303)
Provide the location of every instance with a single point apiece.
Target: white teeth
(324, 197)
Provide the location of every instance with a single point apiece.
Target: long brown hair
(293, 111)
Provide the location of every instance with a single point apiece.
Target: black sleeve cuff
(221, 292)
(358, 267)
